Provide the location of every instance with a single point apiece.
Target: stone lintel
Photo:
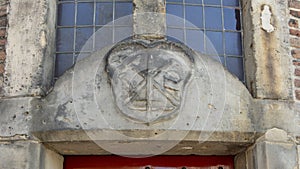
(226, 143)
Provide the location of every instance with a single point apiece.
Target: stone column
(274, 150)
(149, 19)
(30, 48)
(28, 76)
(268, 62)
(28, 155)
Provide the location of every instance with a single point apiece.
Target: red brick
(3, 10)
(2, 56)
(2, 42)
(294, 4)
(295, 42)
(295, 13)
(297, 82)
(296, 63)
(3, 21)
(2, 68)
(294, 23)
(296, 53)
(295, 32)
(2, 32)
(297, 92)
(297, 72)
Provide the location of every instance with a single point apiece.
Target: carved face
(148, 84)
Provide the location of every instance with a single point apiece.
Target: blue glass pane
(235, 66)
(231, 3)
(66, 12)
(123, 9)
(194, 1)
(174, 0)
(221, 59)
(83, 34)
(63, 63)
(195, 40)
(212, 2)
(175, 34)
(65, 39)
(104, 13)
(176, 10)
(233, 43)
(122, 33)
(104, 37)
(194, 14)
(217, 42)
(229, 19)
(213, 18)
(85, 12)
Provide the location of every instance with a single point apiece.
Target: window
(77, 20)
(219, 20)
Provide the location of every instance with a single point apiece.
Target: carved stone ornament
(148, 79)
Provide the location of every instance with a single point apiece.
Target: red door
(157, 162)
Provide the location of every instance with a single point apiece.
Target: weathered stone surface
(30, 49)
(16, 116)
(275, 114)
(240, 161)
(267, 59)
(28, 155)
(272, 155)
(149, 19)
(227, 113)
(231, 144)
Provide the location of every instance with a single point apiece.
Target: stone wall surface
(4, 4)
(260, 125)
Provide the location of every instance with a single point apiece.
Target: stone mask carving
(148, 80)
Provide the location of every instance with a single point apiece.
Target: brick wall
(3, 26)
(294, 26)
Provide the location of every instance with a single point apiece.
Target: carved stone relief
(148, 79)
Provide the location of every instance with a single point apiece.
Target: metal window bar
(94, 26)
(204, 29)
